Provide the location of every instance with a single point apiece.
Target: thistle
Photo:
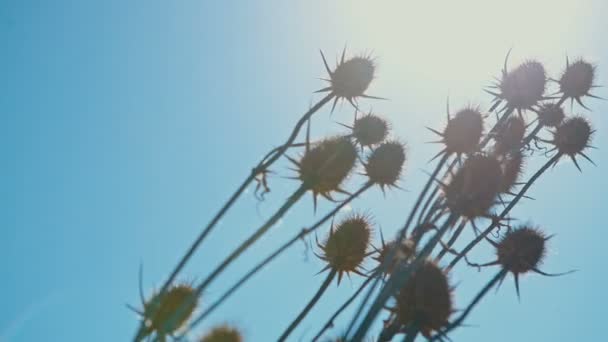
(512, 166)
(350, 79)
(405, 251)
(473, 189)
(577, 80)
(222, 333)
(385, 164)
(572, 137)
(462, 132)
(550, 114)
(369, 130)
(425, 300)
(510, 135)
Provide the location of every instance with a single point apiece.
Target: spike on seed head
(510, 135)
(550, 115)
(385, 163)
(370, 130)
(426, 299)
(406, 250)
(572, 136)
(463, 131)
(474, 187)
(222, 333)
(524, 86)
(521, 250)
(577, 79)
(346, 247)
(324, 167)
(167, 313)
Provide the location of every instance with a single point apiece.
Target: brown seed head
(426, 299)
(474, 187)
(577, 79)
(385, 163)
(351, 78)
(406, 250)
(524, 86)
(222, 333)
(512, 166)
(370, 130)
(165, 314)
(346, 246)
(324, 167)
(521, 250)
(510, 135)
(463, 131)
(572, 136)
(550, 115)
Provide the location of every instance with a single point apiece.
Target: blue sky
(127, 123)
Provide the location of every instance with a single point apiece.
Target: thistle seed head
(385, 163)
(512, 166)
(351, 78)
(577, 79)
(166, 313)
(524, 86)
(324, 167)
(550, 115)
(474, 187)
(510, 135)
(463, 131)
(222, 333)
(521, 250)
(346, 246)
(572, 136)
(370, 130)
(426, 299)
(405, 251)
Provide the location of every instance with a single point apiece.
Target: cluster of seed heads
(485, 167)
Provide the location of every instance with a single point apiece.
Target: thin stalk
(308, 307)
(506, 211)
(412, 333)
(475, 301)
(400, 277)
(422, 217)
(453, 239)
(330, 322)
(278, 252)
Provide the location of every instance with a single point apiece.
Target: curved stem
(330, 322)
(278, 252)
(452, 240)
(309, 306)
(506, 211)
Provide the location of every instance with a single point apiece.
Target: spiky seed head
(521, 250)
(325, 166)
(463, 131)
(385, 163)
(222, 333)
(577, 79)
(474, 187)
(512, 166)
(550, 115)
(572, 136)
(370, 130)
(351, 78)
(524, 86)
(405, 250)
(168, 312)
(510, 135)
(346, 246)
(426, 299)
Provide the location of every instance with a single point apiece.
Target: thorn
(325, 63)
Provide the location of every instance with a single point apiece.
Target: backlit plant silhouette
(478, 178)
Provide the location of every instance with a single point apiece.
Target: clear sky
(126, 124)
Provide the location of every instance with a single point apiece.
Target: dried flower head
(512, 165)
(384, 164)
(462, 132)
(522, 87)
(370, 130)
(405, 250)
(426, 299)
(325, 166)
(577, 80)
(165, 313)
(473, 189)
(510, 135)
(350, 79)
(346, 245)
(572, 137)
(521, 250)
(550, 114)
(223, 333)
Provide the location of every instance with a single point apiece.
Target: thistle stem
(278, 252)
(310, 305)
(412, 333)
(330, 322)
(453, 239)
(506, 211)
